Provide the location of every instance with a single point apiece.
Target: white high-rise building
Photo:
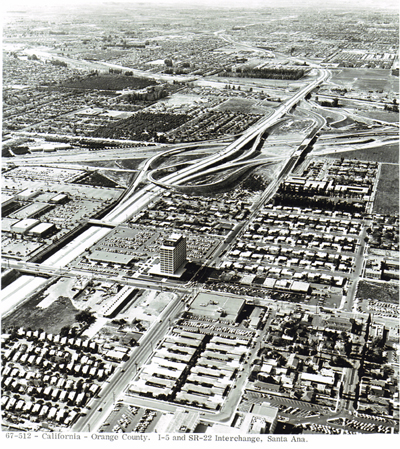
(172, 254)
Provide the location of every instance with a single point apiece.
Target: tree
(387, 371)
(64, 331)
(85, 316)
(348, 347)
(340, 361)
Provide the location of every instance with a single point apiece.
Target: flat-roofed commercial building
(24, 226)
(111, 257)
(182, 421)
(33, 210)
(317, 378)
(42, 229)
(26, 194)
(60, 198)
(217, 306)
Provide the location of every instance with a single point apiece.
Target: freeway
(330, 149)
(77, 155)
(11, 295)
(100, 66)
(133, 202)
(232, 169)
(139, 152)
(58, 260)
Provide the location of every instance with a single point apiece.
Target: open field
(372, 290)
(366, 79)
(97, 179)
(243, 105)
(386, 116)
(386, 153)
(131, 164)
(387, 198)
(330, 114)
(51, 319)
(121, 178)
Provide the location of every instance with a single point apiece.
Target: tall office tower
(172, 254)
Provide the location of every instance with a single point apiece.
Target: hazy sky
(393, 4)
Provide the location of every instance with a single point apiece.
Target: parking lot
(127, 418)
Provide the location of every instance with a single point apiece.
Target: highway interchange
(134, 200)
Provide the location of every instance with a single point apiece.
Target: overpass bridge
(236, 151)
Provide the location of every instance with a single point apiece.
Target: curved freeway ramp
(236, 151)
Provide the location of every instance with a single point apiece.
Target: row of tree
(318, 203)
(284, 73)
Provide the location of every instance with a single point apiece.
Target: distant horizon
(14, 5)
